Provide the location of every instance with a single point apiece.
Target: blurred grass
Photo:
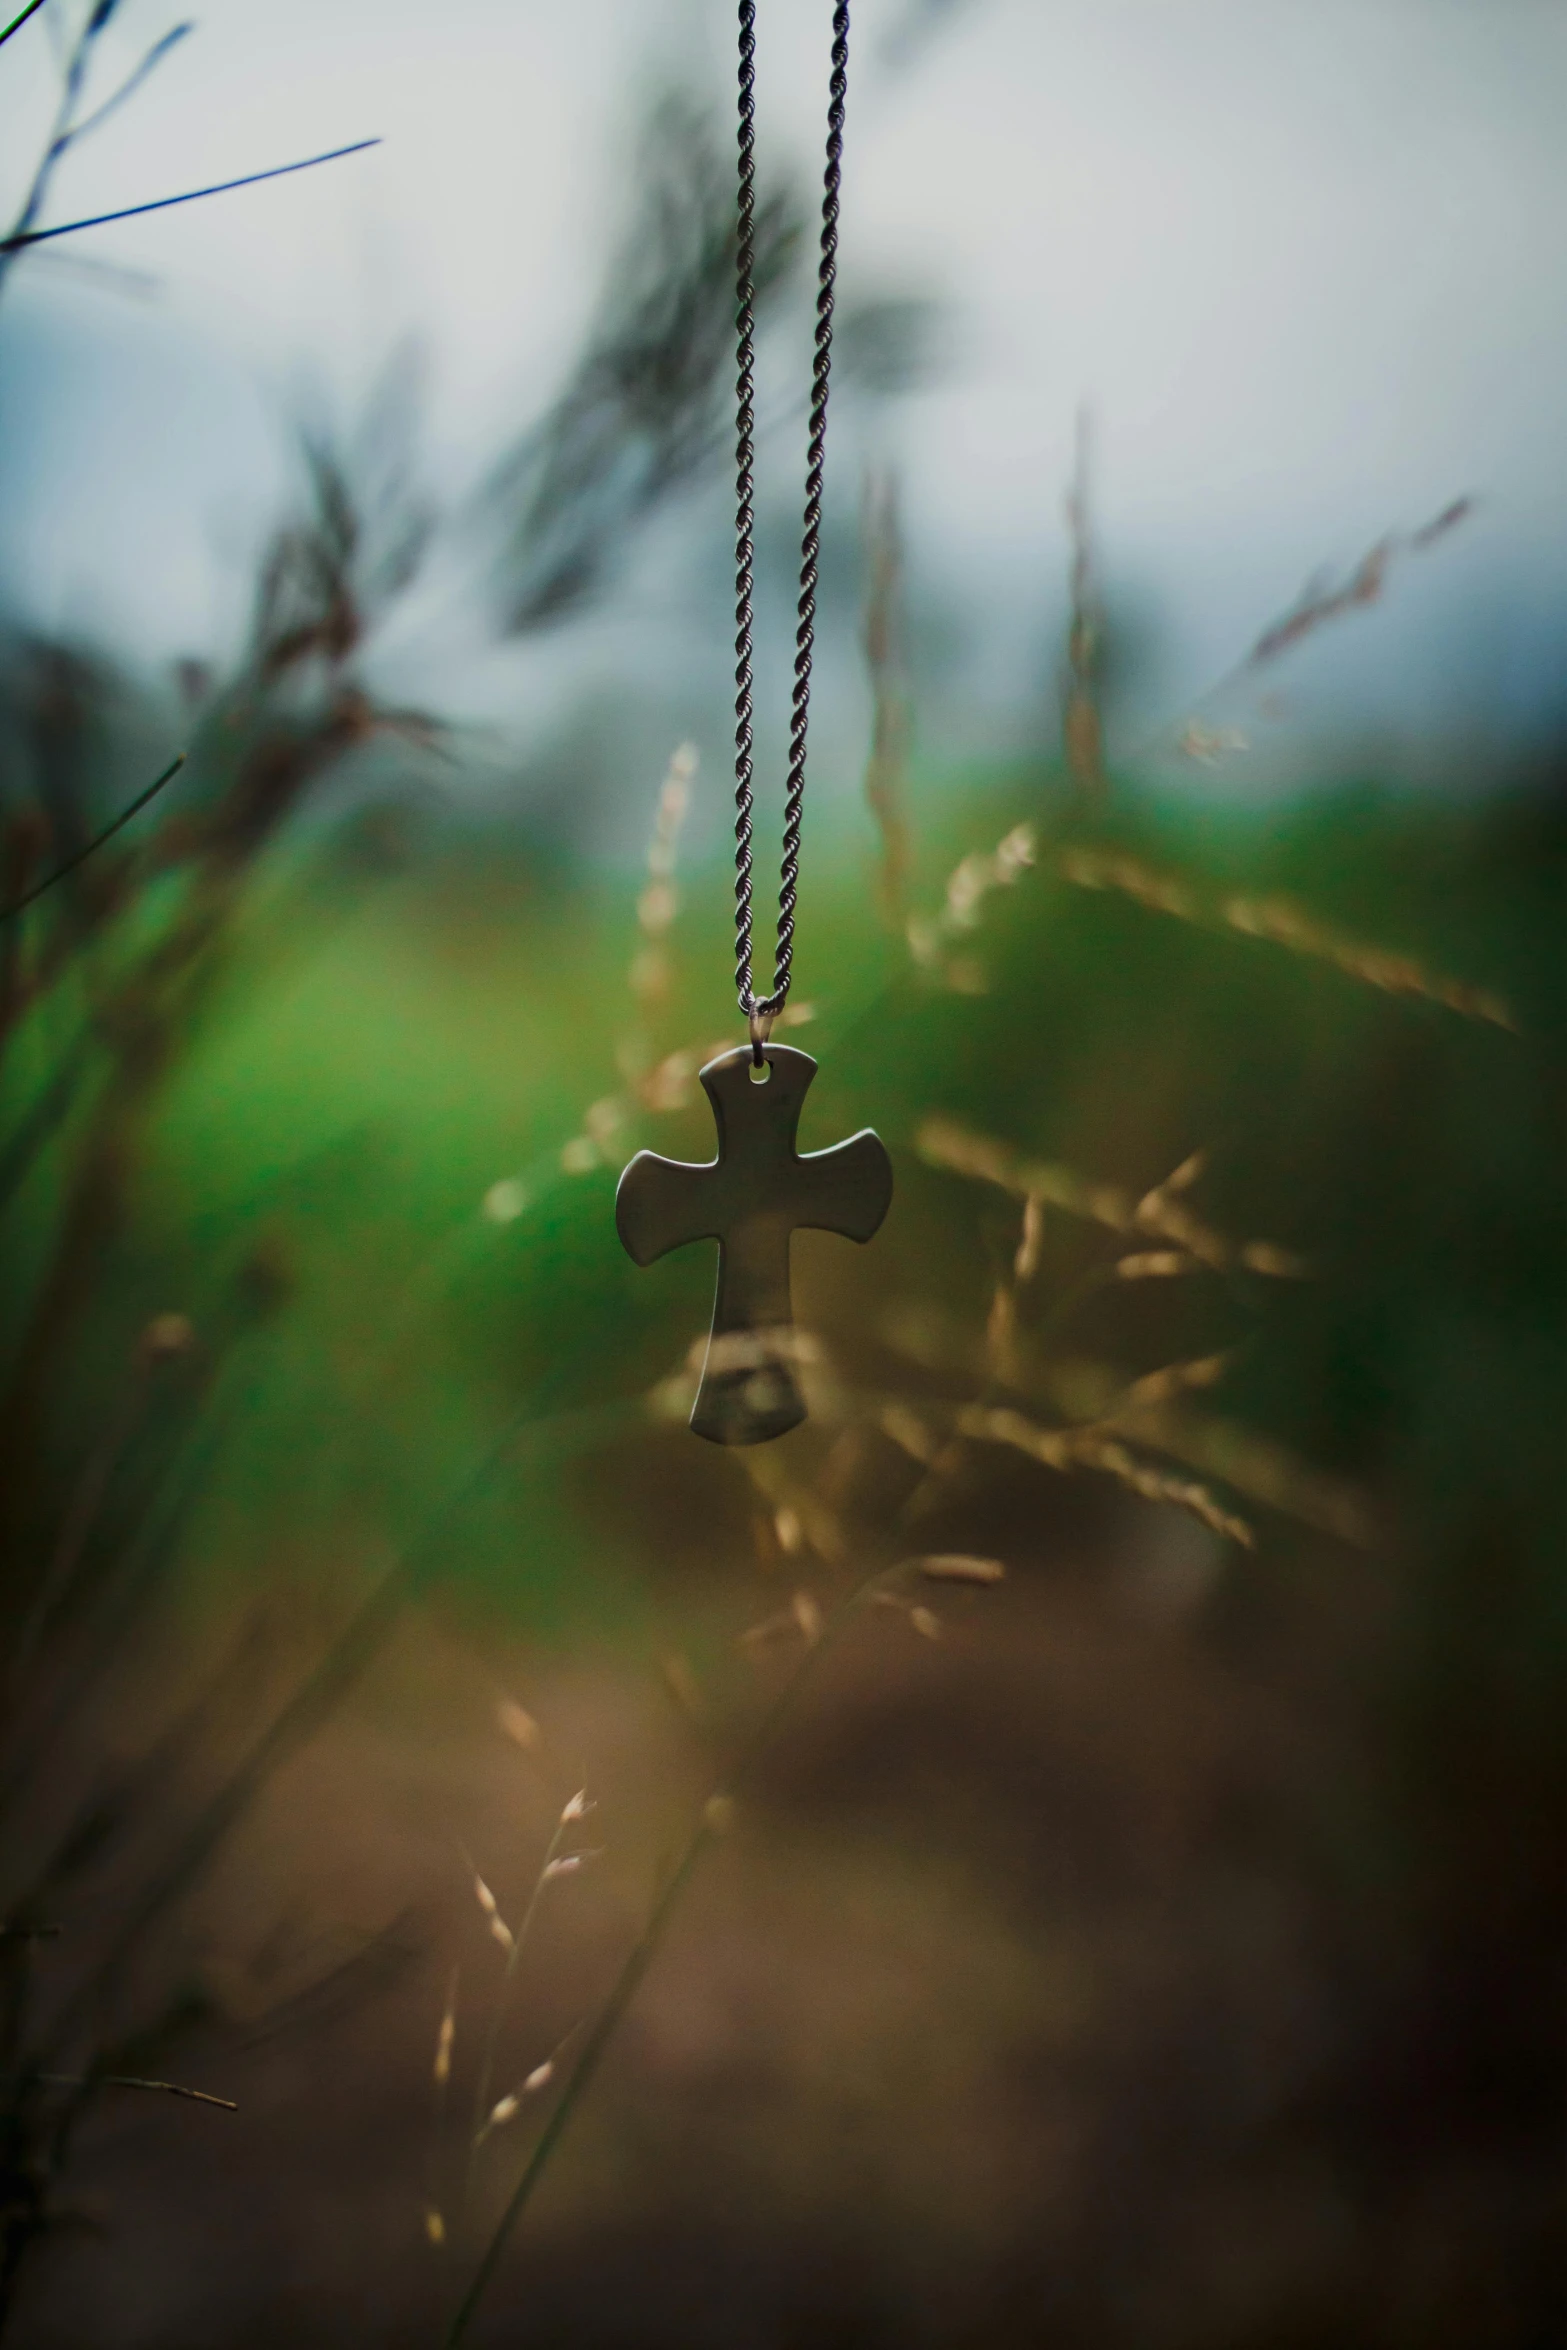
(384, 1047)
(365, 1167)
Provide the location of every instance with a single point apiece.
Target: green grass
(382, 1050)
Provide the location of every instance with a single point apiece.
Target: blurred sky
(1302, 259)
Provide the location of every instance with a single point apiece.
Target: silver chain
(761, 1011)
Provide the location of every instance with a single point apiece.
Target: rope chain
(761, 1011)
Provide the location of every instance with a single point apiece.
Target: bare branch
(17, 22)
(128, 2081)
(30, 897)
(251, 179)
(131, 83)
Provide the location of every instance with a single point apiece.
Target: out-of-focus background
(1130, 1910)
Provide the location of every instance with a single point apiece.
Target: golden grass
(1281, 922)
(944, 1142)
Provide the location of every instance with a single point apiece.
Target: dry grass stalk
(972, 881)
(909, 1432)
(1001, 1334)
(1258, 1467)
(440, 2075)
(1283, 923)
(1066, 1449)
(1097, 1396)
(802, 1619)
(1025, 1263)
(783, 1624)
(499, 1929)
(942, 1142)
(1157, 1387)
(956, 1566)
(650, 973)
(1082, 733)
(446, 2036)
(488, 2115)
(569, 1864)
(807, 1613)
(1163, 893)
(1100, 1405)
(1322, 601)
(714, 1819)
(846, 1458)
(1289, 925)
(1207, 745)
(653, 1082)
(507, 2108)
(885, 772)
(516, 1723)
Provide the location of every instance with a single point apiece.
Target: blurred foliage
(1225, 1271)
(361, 1120)
(644, 411)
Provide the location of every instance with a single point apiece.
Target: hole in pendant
(760, 1076)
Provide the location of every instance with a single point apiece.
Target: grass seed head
(1026, 1262)
(568, 1864)
(517, 1724)
(808, 1615)
(165, 1337)
(505, 1201)
(1278, 1264)
(954, 1566)
(908, 1432)
(444, 2038)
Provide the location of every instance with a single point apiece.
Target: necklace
(760, 1190)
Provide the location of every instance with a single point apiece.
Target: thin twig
(251, 179)
(17, 22)
(75, 70)
(128, 2081)
(624, 1988)
(481, 2101)
(31, 896)
(80, 1519)
(298, 1719)
(441, 2082)
(132, 82)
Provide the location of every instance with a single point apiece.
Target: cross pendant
(750, 1199)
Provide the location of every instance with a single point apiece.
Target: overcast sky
(1303, 260)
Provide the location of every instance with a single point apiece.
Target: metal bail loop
(761, 1027)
